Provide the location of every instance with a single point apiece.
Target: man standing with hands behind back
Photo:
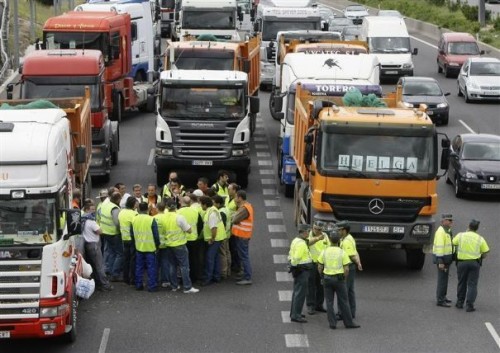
(443, 256)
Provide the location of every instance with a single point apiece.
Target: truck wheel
(415, 259)
(114, 158)
(289, 190)
(117, 108)
(271, 106)
(242, 178)
(70, 336)
(161, 178)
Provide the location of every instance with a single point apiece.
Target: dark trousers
(351, 295)
(129, 262)
(164, 266)
(299, 294)
(196, 251)
(94, 258)
(235, 260)
(146, 261)
(212, 262)
(442, 283)
(332, 285)
(468, 276)
(242, 248)
(315, 293)
(113, 254)
(178, 257)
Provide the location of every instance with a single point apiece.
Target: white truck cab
(388, 39)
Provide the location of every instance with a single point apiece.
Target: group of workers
(176, 237)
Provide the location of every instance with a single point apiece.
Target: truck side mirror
(415, 51)
(73, 222)
(308, 154)
(81, 154)
(10, 90)
(254, 104)
(278, 103)
(445, 153)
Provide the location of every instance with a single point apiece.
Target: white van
(388, 39)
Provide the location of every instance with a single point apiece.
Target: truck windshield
(377, 156)
(270, 29)
(202, 102)
(27, 221)
(76, 40)
(206, 63)
(208, 19)
(35, 90)
(392, 45)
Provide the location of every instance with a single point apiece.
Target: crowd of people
(179, 237)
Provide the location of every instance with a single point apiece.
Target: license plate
(391, 72)
(202, 162)
(375, 229)
(490, 186)
(490, 94)
(430, 112)
(4, 334)
(399, 230)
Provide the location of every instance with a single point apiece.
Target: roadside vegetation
(447, 14)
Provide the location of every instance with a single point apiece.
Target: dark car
(425, 90)
(474, 166)
(338, 23)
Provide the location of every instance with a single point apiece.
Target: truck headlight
(96, 161)
(442, 105)
(164, 151)
(240, 152)
(48, 312)
(421, 230)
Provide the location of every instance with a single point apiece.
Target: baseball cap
(171, 204)
(102, 193)
(198, 193)
(447, 216)
(342, 224)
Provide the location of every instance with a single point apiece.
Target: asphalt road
(396, 307)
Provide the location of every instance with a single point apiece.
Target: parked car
(453, 50)
(351, 33)
(425, 90)
(474, 164)
(356, 13)
(338, 23)
(479, 79)
(391, 13)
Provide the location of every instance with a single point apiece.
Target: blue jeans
(244, 256)
(212, 262)
(113, 254)
(164, 266)
(179, 256)
(146, 260)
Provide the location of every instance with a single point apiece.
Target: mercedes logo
(376, 206)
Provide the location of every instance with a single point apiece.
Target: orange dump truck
(373, 166)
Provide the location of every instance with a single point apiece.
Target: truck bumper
(210, 169)
(40, 328)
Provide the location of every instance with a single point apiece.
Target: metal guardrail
(4, 30)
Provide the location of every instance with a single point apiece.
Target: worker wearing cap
(317, 241)
(334, 266)
(125, 218)
(442, 251)
(300, 267)
(348, 244)
(471, 249)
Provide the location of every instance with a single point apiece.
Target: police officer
(300, 267)
(334, 266)
(443, 256)
(471, 249)
(317, 241)
(348, 244)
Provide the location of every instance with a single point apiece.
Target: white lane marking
(296, 340)
(151, 156)
(276, 228)
(263, 154)
(285, 317)
(104, 340)
(265, 163)
(268, 181)
(271, 203)
(274, 215)
(260, 138)
(261, 146)
(268, 192)
(282, 276)
(466, 126)
(279, 243)
(285, 295)
(266, 172)
(280, 259)
(493, 333)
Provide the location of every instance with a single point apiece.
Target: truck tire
(161, 178)
(415, 259)
(242, 178)
(271, 106)
(289, 190)
(117, 112)
(253, 123)
(70, 336)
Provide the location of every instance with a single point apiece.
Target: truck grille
(19, 287)
(394, 209)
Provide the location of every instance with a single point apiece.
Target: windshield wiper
(404, 171)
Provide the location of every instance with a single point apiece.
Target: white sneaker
(192, 290)
(176, 289)
(165, 284)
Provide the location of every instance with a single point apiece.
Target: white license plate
(202, 162)
(391, 72)
(4, 334)
(490, 186)
(399, 230)
(375, 229)
(490, 94)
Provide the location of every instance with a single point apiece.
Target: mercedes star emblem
(376, 206)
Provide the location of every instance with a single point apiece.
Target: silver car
(479, 79)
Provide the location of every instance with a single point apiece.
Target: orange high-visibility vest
(245, 227)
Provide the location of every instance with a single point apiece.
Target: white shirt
(182, 223)
(89, 231)
(213, 219)
(123, 201)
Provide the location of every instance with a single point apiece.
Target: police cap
(303, 228)
(447, 216)
(343, 224)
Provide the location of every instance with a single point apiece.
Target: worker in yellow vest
(317, 242)
(113, 246)
(334, 266)
(220, 187)
(173, 183)
(174, 233)
(442, 251)
(194, 244)
(471, 250)
(213, 233)
(232, 207)
(224, 253)
(301, 264)
(242, 231)
(145, 235)
(126, 217)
